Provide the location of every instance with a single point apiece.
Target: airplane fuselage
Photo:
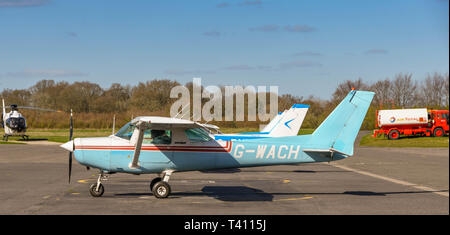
(112, 154)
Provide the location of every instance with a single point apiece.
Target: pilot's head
(156, 133)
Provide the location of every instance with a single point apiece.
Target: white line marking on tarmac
(424, 188)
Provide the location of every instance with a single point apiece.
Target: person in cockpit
(160, 137)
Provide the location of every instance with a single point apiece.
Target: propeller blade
(73, 149)
(71, 126)
(70, 165)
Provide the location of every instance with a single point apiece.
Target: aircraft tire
(161, 189)
(94, 193)
(153, 182)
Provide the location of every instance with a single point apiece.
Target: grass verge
(405, 142)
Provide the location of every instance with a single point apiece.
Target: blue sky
(304, 47)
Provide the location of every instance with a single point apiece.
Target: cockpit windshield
(126, 131)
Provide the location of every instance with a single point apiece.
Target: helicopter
(14, 122)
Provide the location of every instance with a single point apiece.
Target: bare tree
(432, 91)
(344, 88)
(404, 91)
(383, 92)
(446, 91)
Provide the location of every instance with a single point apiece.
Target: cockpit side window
(157, 137)
(150, 136)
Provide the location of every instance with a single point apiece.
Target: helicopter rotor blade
(73, 148)
(36, 108)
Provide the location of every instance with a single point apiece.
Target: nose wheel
(97, 189)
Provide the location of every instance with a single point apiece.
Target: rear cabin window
(197, 135)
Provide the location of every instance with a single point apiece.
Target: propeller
(70, 138)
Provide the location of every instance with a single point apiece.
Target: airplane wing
(161, 123)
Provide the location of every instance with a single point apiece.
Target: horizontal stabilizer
(331, 150)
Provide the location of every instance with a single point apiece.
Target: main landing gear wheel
(154, 181)
(161, 189)
(96, 192)
(160, 186)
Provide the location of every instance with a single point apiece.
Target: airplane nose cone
(68, 146)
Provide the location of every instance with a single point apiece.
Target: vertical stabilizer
(290, 122)
(340, 128)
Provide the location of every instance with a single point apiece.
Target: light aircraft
(286, 123)
(14, 122)
(163, 146)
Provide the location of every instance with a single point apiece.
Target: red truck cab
(439, 121)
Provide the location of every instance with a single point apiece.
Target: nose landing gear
(97, 190)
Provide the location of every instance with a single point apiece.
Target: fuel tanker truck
(410, 122)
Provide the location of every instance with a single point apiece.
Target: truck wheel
(438, 132)
(394, 135)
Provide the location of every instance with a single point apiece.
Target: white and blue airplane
(149, 145)
(286, 123)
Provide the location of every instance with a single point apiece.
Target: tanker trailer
(395, 122)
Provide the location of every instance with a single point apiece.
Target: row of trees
(95, 106)
(403, 91)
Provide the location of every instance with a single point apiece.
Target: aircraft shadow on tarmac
(34, 139)
(232, 171)
(247, 194)
(222, 193)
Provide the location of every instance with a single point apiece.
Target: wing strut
(137, 138)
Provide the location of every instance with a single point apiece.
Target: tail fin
(274, 122)
(289, 122)
(339, 130)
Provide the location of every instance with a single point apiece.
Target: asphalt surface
(34, 180)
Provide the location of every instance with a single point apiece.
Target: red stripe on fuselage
(226, 148)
